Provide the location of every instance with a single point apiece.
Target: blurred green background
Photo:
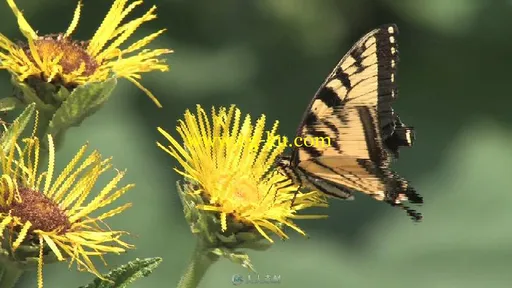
(270, 56)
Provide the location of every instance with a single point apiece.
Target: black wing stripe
(315, 181)
(344, 79)
(311, 151)
(388, 57)
(345, 192)
(329, 97)
(310, 119)
(331, 127)
(358, 57)
(377, 154)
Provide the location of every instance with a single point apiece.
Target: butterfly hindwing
(353, 109)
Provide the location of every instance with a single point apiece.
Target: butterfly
(353, 110)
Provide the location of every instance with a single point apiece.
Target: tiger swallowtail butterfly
(353, 109)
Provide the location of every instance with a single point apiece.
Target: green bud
(26, 256)
(207, 226)
(62, 107)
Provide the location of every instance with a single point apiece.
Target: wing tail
(413, 196)
(415, 216)
(399, 191)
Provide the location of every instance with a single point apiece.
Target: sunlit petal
(233, 164)
(72, 235)
(58, 59)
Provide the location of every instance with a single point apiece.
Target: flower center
(73, 54)
(246, 192)
(240, 193)
(42, 212)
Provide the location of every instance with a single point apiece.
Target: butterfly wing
(353, 109)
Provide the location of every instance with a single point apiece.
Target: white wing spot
(408, 136)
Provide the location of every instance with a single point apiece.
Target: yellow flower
(57, 58)
(39, 208)
(233, 167)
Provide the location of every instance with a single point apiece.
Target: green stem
(200, 262)
(10, 275)
(42, 128)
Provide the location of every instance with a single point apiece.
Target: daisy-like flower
(231, 164)
(58, 59)
(51, 211)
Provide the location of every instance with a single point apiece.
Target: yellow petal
(74, 22)
(48, 240)
(25, 28)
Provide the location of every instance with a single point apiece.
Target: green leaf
(8, 103)
(17, 127)
(27, 94)
(126, 274)
(61, 95)
(236, 257)
(84, 101)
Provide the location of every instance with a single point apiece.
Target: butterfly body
(353, 109)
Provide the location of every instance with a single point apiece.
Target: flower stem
(201, 260)
(10, 274)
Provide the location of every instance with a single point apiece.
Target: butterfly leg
(278, 183)
(295, 195)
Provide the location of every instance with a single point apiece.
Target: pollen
(245, 192)
(69, 54)
(43, 213)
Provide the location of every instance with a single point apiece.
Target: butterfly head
(283, 162)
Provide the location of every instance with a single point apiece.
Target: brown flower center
(74, 53)
(42, 212)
